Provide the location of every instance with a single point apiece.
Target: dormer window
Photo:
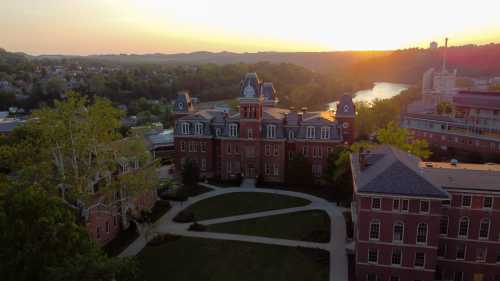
(185, 128)
(291, 134)
(180, 106)
(233, 130)
(217, 132)
(198, 129)
(325, 133)
(271, 131)
(310, 132)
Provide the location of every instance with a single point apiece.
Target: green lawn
(307, 225)
(242, 203)
(197, 259)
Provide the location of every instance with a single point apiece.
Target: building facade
(259, 138)
(424, 220)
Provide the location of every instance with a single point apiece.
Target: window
(442, 247)
(397, 235)
(217, 132)
(316, 170)
(458, 276)
(422, 233)
(250, 133)
(463, 228)
(271, 131)
(98, 232)
(488, 202)
(396, 256)
(395, 204)
(405, 205)
(107, 227)
(498, 257)
(290, 155)
(484, 228)
(276, 150)
(185, 128)
(267, 169)
(424, 206)
(419, 260)
(376, 203)
(183, 146)
(325, 132)
(466, 201)
(373, 277)
(460, 252)
(304, 150)
(374, 230)
(310, 133)
(372, 256)
(276, 170)
(203, 164)
(481, 254)
(195, 147)
(191, 146)
(203, 147)
(317, 152)
(198, 129)
(445, 203)
(291, 134)
(229, 167)
(443, 225)
(267, 149)
(229, 148)
(233, 130)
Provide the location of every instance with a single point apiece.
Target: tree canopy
(399, 137)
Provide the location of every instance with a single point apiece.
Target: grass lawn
(197, 259)
(242, 203)
(307, 226)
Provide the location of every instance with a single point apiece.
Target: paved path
(336, 246)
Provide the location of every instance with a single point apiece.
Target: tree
(398, 137)
(41, 241)
(338, 173)
(190, 173)
(299, 171)
(444, 108)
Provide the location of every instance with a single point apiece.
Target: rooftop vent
(454, 162)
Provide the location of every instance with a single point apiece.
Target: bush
(184, 216)
(197, 227)
(159, 209)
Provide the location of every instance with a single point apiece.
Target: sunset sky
(165, 26)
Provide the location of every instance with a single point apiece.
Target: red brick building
(425, 221)
(259, 138)
(473, 124)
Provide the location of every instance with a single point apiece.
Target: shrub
(184, 216)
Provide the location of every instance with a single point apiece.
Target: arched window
(198, 128)
(422, 233)
(233, 130)
(463, 227)
(271, 131)
(185, 128)
(398, 230)
(484, 228)
(375, 230)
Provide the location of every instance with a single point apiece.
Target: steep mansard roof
(250, 86)
(388, 170)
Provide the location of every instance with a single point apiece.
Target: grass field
(307, 225)
(242, 203)
(197, 259)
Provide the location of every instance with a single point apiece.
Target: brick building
(259, 138)
(424, 220)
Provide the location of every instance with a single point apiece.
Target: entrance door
(250, 172)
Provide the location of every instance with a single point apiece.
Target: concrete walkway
(336, 246)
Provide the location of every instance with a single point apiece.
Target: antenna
(444, 54)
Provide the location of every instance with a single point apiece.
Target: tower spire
(444, 54)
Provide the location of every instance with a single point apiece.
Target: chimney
(299, 117)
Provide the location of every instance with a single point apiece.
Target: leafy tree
(299, 171)
(444, 108)
(338, 174)
(398, 137)
(41, 241)
(190, 173)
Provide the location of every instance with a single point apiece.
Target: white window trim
(399, 204)
(271, 131)
(402, 234)
(233, 130)
(468, 226)
(291, 134)
(465, 253)
(447, 226)
(325, 133)
(428, 206)
(198, 128)
(462, 199)
(370, 230)
(407, 205)
(426, 234)
(368, 259)
(185, 128)
(489, 228)
(418, 266)
(400, 257)
(484, 199)
(380, 203)
(310, 129)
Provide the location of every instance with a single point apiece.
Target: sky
(173, 26)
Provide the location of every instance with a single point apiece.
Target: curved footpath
(336, 246)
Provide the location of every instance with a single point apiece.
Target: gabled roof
(391, 171)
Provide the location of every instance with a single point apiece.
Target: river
(380, 90)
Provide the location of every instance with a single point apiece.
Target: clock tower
(345, 116)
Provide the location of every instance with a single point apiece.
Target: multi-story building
(259, 138)
(419, 220)
(473, 124)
